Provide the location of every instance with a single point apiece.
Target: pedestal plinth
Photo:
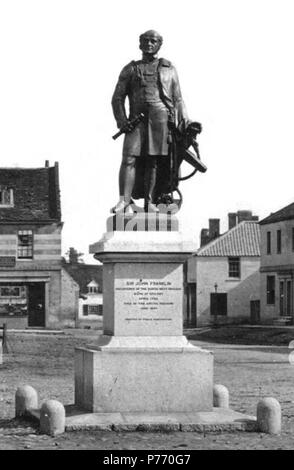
(142, 362)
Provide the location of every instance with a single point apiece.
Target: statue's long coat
(129, 86)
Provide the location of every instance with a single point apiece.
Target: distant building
(34, 290)
(223, 276)
(89, 278)
(277, 266)
(234, 218)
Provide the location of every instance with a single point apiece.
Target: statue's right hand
(127, 127)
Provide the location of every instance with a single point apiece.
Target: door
(289, 298)
(218, 304)
(191, 305)
(36, 304)
(282, 310)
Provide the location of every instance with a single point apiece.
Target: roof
(93, 284)
(241, 240)
(287, 213)
(83, 274)
(35, 194)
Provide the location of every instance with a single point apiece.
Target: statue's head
(150, 42)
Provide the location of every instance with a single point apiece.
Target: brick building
(277, 266)
(35, 291)
(223, 276)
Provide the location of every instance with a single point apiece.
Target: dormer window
(93, 287)
(6, 197)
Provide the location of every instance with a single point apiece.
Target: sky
(60, 61)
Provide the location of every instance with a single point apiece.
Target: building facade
(277, 266)
(89, 279)
(224, 277)
(32, 287)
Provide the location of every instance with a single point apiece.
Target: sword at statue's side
(129, 126)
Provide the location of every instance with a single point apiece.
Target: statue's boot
(122, 207)
(150, 207)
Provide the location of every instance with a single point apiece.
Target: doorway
(218, 304)
(191, 317)
(36, 304)
(286, 297)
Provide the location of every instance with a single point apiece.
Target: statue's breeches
(150, 137)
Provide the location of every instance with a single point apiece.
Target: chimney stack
(213, 228)
(46, 163)
(204, 237)
(244, 215)
(232, 216)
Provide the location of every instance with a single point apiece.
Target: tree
(74, 257)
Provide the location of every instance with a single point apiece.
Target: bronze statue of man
(152, 87)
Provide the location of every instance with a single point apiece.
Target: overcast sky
(60, 60)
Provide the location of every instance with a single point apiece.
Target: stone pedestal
(142, 362)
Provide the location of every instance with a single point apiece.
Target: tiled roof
(35, 193)
(286, 213)
(83, 274)
(242, 240)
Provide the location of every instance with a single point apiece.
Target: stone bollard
(269, 416)
(220, 396)
(52, 418)
(26, 398)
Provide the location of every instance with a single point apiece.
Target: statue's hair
(151, 32)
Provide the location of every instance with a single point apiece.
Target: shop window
(9, 291)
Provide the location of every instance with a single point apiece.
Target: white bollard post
(26, 398)
(220, 396)
(269, 416)
(52, 418)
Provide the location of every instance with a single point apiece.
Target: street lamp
(216, 304)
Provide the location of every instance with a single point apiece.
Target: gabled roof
(287, 213)
(93, 284)
(241, 240)
(35, 194)
(83, 274)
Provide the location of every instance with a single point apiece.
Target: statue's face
(150, 44)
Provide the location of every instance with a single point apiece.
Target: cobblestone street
(46, 362)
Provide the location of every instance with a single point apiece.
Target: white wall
(214, 270)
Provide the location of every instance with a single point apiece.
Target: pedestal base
(217, 420)
(134, 374)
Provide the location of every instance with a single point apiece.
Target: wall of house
(69, 300)
(214, 270)
(46, 243)
(268, 312)
(45, 266)
(191, 269)
(90, 321)
(274, 264)
(13, 322)
(286, 257)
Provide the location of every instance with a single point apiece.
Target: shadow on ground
(243, 335)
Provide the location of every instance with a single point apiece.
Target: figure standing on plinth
(149, 167)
